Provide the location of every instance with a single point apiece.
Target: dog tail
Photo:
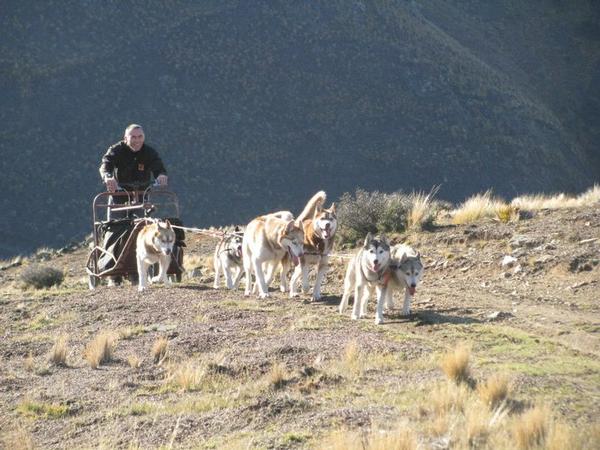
(309, 210)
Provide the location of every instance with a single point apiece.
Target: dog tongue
(295, 260)
(412, 290)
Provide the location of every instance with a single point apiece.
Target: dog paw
(354, 317)
(378, 320)
(406, 312)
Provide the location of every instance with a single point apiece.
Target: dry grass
(101, 349)
(477, 207)
(455, 364)
(400, 438)
(134, 361)
(159, 349)
(448, 398)
(421, 211)
(277, 376)
(530, 429)
(351, 361)
(186, 376)
(507, 213)
(494, 390)
(59, 352)
(29, 363)
(17, 438)
(559, 201)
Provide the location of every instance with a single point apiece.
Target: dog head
(407, 267)
(325, 221)
(292, 238)
(234, 243)
(376, 252)
(163, 237)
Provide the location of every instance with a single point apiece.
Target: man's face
(135, 139)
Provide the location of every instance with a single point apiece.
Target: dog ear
(290, 226)
(419, 256)
(237, 229)
(168, 224)
(404, 257)
(384, 241)
(332, 208)
(368, 239)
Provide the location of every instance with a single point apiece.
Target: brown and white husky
(154, 244)
(267, 240)
(319, 225)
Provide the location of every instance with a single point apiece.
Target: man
(129, 164)
(132, 161)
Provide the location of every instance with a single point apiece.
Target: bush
(42, 276)
(371, 212)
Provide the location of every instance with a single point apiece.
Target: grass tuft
(134, 361)
(42, 410)
(455, 364)
(17, 438)
(477, 207)
(185, 376)
(159, 349)
(531, 428)
(494, 390)
(101, 349)
(58, 354)
(423, 209)
(277, 376)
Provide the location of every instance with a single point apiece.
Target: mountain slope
(256, 105)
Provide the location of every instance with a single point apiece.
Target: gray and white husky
(228, 259)
(406, 273)
(366, 271)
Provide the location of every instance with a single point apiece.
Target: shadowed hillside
(255, 105)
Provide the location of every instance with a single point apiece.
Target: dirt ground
(536, 319)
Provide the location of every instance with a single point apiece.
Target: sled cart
(118, 217)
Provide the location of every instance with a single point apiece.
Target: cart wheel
(92, 282)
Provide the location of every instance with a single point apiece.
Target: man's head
(134, 137)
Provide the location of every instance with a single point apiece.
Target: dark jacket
(128, 166)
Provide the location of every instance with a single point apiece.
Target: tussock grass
(101, 349)
(39, 277)
(159, 349)
(423, 209)
(494, 390)
(131, 332)
(535, 202)
(59, 352)
(185, 376)
(134, 361)
(17, 438)
(455, 364)
(277, 377)
(530, 429)
(448, 398)
(477, 207)
(507, 213)
(400, 438)
(29, 363)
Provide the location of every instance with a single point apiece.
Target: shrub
(371, 212)
(39, 276)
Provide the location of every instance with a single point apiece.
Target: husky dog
(266, 241)
(154, 244)
(406, 273)
(368, 269)
(228, 259)
(319, 229)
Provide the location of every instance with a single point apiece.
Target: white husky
(228, 259)
(406, 273)
(154, 244)
(319, 226)
(266, 240)
(368, 269)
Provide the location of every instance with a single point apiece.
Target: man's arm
(107, 169)
(158, 168)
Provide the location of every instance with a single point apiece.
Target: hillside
(284, 373)
(255, 105)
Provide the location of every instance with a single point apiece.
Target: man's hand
(162, 180)
(111, 184)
